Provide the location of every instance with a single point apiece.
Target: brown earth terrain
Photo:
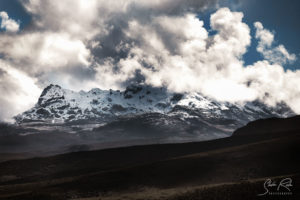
(228, 168)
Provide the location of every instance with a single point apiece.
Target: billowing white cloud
(272, 84)
(18, 91)
(277, 54)
(8, 24)
(180, 55)
(44, 51)
(83, 44)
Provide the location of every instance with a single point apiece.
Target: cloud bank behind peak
(108, 44)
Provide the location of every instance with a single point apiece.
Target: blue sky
(15, 11)
(279, 16)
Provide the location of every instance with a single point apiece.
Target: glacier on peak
(146, 103)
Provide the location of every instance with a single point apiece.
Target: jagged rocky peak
(133, 88)
(63, 105)
(143, 89)
(51, 93)
(58, 104)
(93, 91)
(51, 89)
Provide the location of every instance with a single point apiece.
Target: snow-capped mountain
(61, 105)
(142, 104)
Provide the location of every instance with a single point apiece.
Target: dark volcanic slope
(245, 157)
(271, 125)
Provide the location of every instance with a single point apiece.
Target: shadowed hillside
(229, 168)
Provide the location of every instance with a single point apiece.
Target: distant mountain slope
(270, 125)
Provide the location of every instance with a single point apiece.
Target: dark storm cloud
(143, 14)
(79, 72)
(173, 7)
(113, 46)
